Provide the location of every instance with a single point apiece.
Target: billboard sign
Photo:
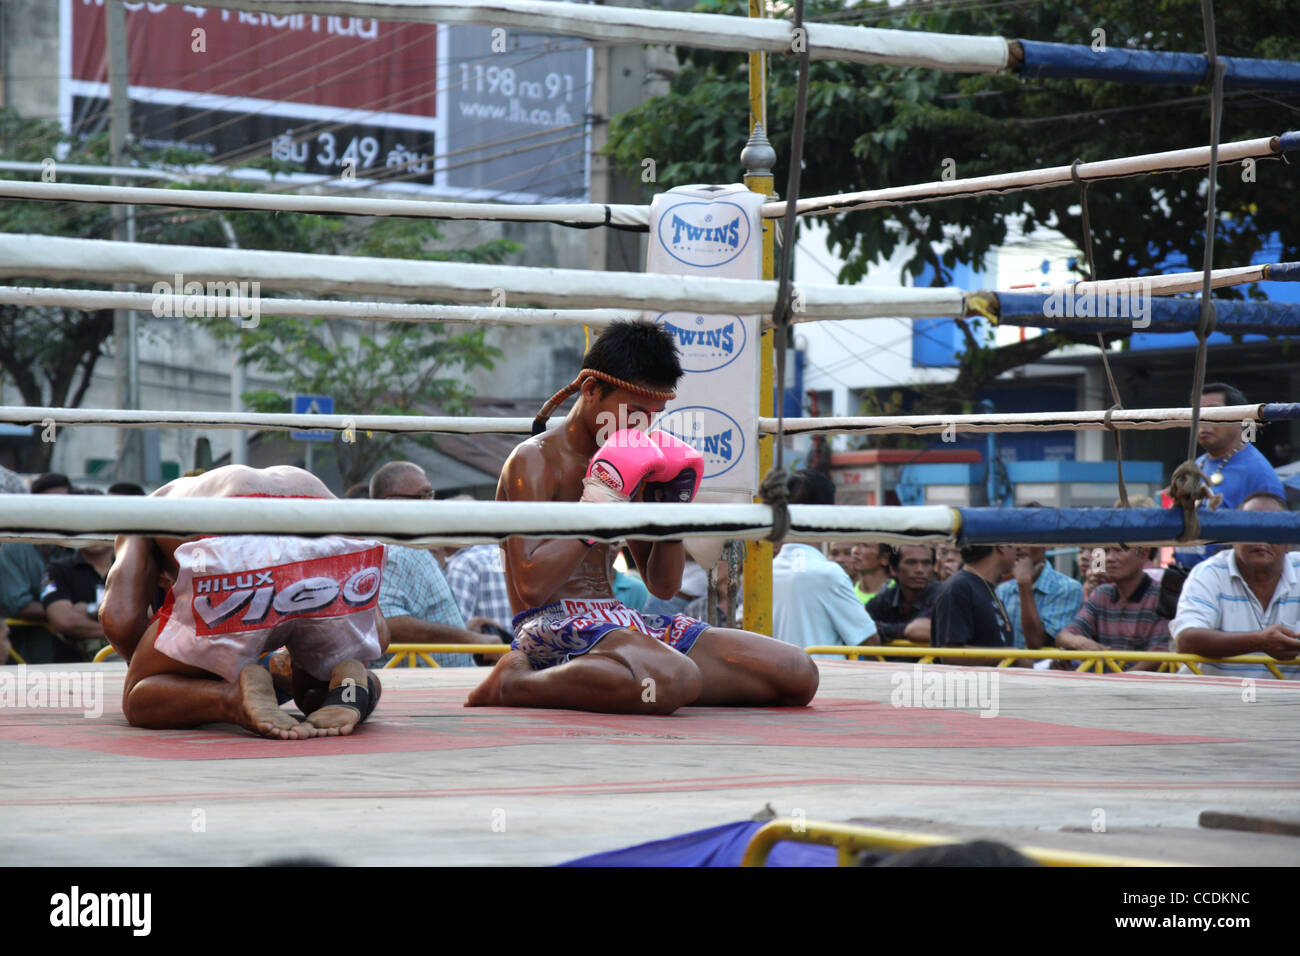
(462, 111)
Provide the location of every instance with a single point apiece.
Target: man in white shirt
(1243, 600)
(813, 602)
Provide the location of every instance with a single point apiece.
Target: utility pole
(238, 374)
(598, 163)
(130, 458)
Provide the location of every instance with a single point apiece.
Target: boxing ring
(1083, 767)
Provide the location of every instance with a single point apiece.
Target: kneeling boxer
(575, 646)
(234, 598)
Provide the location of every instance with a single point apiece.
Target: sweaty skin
(627, 672)
(162, 692)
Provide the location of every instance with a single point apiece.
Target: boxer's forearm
(124, 613)
(662, 564)
(543, 571)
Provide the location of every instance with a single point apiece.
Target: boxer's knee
(134, 702)
(800, 683)
(673, 681)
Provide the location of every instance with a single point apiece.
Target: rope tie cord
(1187, 487)
(775, 491)
(1101, 342)
(1189, 484)
(1119, 455)
(775, 487)
(1206, 324)
(539, 423)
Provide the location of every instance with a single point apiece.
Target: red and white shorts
(238, 596)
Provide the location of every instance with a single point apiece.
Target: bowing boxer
(193, 654)
(575, 646)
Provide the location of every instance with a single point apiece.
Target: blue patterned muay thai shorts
(571, 627)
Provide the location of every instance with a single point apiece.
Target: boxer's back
(234, 481)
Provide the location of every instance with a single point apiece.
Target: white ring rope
(1172, 283)
(217, 305)
(1141, 419)
(1172, 161)
(826, 41)
(565, 214)
(178, 306)
(44, 517)
(626, 216)
(263, 421)
(103, 260)
(405, 522)
(83, 169)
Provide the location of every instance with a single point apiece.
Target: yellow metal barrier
(407, 655)
(400, 652)
(850, 840)
(1098, 660)
(22, 622)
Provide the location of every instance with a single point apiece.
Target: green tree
(391, 369)
(871, 126)
(49, 354)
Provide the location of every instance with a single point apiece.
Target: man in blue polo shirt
(1234, 467)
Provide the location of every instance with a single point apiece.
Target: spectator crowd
(1216, 602)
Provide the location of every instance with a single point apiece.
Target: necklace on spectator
(1217, 477)
(997, 601)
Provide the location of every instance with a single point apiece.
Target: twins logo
(706, 342)
(710, 431)
(704, 234)
(321, 587)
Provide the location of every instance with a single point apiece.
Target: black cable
(1207, 320)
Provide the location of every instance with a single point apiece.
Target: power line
(420, 93)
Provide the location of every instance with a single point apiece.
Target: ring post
(758, 158)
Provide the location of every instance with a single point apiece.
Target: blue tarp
(1128, 526)
(1081, 61)
(1061, 310)
(717, 846)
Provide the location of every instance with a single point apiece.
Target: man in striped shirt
(413, 596)
(1243, 600)
(478, 580)
(1120, 615)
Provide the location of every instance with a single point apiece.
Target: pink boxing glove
(616, 471)
(678, 478)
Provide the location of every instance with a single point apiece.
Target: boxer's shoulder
(546, 467)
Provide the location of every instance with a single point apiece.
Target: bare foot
(491, 692)
(258, 710)
(339, 720)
